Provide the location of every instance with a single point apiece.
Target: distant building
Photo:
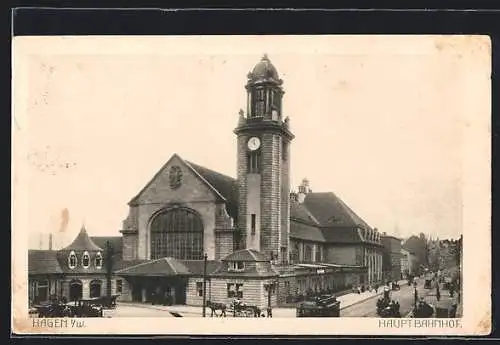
(73, 272)
(391, 259)
(409, 263)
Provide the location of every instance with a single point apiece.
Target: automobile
(391, 310)
(89, 307)
(52, 310)
(323, 306)
(423, 310)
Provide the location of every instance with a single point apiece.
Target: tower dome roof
(83, 242)
(264, 71)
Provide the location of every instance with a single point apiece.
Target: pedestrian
(269, 312)
(416, 295)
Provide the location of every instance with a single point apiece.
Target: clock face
(253, 143)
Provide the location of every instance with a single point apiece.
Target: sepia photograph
(271, 178)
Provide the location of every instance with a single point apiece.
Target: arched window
(254, 162)
(72, 260)
(75, 290)
(98, 260)
(177, 233)
(95, 288)
(86, 260)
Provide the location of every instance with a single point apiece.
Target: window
(43, 290)
(177, 233)
(284, 151)
(98, 260)
(254, 162)
(260, 101)
(199, 288)
(95, 288)
(284, 257)
(253, 224)
(236, 266)
(318, 254)
(287, 288)
(308, 253)
(119, 286)
(72, 260)
(234, 290)
(86, 260)
(275, 96)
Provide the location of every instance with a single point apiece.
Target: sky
(378, 120)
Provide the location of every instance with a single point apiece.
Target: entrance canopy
(167, 267)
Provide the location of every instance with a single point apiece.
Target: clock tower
(263, 138)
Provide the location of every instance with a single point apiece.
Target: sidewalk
(353, 298)
(445, 300)
(346, 300)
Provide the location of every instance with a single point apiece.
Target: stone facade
(157, 196)
(391, 257)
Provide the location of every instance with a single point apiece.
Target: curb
(360, 301)
(368, 298)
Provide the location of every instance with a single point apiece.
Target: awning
(164, 267)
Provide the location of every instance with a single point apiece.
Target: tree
(109, 252)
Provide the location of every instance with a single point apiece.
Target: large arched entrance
(95, 288)
(75, 290)
(177, 233)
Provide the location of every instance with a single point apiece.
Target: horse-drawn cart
(235, 309)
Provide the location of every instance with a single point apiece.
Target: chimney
(50, 241)
(301, 197)
(303, 190)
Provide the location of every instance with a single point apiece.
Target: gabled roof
(195, 267)
(223, 186)
(344, 235)
(305, 232)
(82, 242)
(299, 212)
(43, 262)
(116, 242)
(165, 267)
(246, 255)
(160, 267)
(330, 210)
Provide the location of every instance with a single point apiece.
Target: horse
(253, 308)
(247, 310)
(214, 306)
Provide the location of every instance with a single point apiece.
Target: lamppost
(109, 267)
(205, 257)
(270, 288)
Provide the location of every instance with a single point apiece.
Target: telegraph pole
(205, 257)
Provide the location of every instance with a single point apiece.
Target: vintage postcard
(294, 185)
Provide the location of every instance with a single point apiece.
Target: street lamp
(270, 288)
(205, 257)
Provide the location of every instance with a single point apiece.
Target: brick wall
(129, 246)
(242, 185)
(285, 199)
(224, 244)
(193, 193)
(253, 206)
(271, 194)
(253, 292)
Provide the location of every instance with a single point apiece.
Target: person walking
(438, 293)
